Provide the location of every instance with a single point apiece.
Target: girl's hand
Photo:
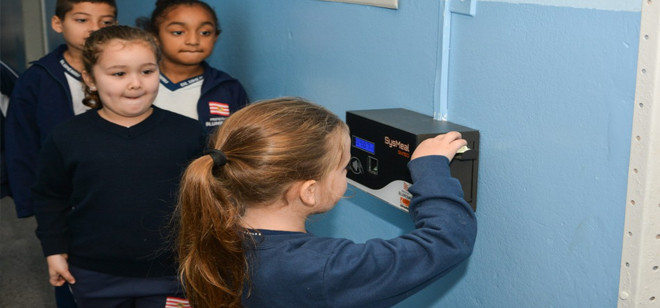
(58, 270)
(445, 145)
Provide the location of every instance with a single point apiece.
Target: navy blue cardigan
(292, 269)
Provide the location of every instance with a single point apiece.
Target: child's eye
(206, 33)
(81, 20)
(106, 23)
(119, 74)
(177, 33)
(147, 72)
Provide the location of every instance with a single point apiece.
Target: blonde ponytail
(210, 240)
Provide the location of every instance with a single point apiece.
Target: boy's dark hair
(64, 6)
(163, 7)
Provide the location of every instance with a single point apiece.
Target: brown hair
(64, 6)
(269, 145)
(94, 46)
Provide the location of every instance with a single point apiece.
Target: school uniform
(295, 269)
(41, 99)
(209, 98)
(105, 194)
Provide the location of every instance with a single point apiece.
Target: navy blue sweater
(293, 269)
(105, 193)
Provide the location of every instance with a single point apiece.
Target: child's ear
(56, 24)
(308, 192)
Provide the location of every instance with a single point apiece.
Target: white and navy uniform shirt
(210, 98)
(74, 79)
(180, 97)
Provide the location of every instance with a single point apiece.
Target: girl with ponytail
(242, 210)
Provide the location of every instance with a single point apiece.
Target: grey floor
(23, 271)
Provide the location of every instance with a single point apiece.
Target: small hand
(445, 145)
(58, 270)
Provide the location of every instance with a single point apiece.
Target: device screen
(364, 144)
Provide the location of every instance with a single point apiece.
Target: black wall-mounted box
(382, 141)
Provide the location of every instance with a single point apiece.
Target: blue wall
(550, 88)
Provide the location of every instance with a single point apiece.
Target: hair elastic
(219, 157)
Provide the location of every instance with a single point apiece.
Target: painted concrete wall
(550, 86)
(552, 90)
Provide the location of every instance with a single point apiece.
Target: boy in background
(49, 92)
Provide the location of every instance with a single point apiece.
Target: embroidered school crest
(217, 108)
(175, 302)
